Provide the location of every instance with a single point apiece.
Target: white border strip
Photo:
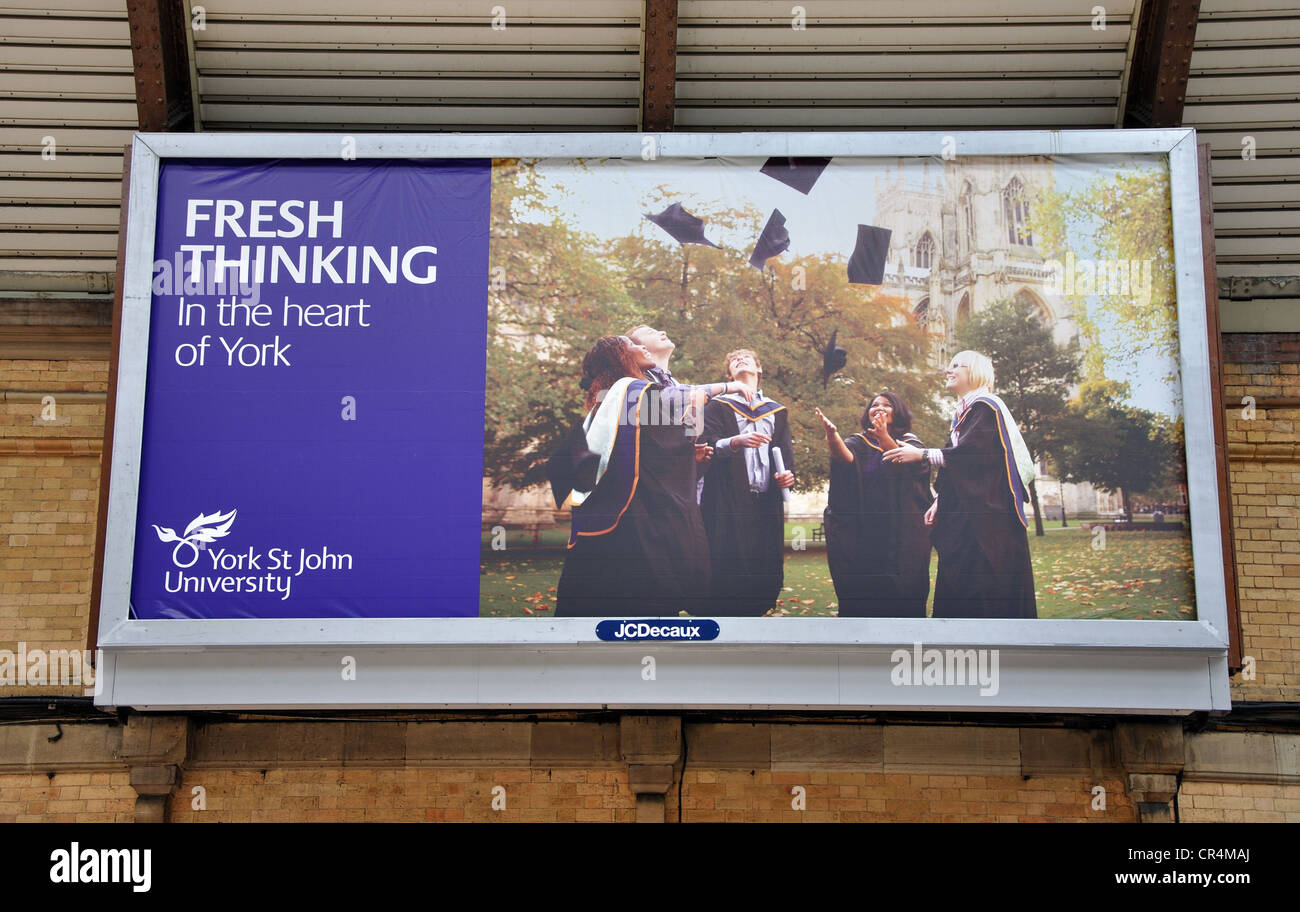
(1201, 644)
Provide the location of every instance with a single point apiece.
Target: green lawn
(1138, 575)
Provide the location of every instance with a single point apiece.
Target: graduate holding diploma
(743, 513)
(637, 546)
(877, 543)
(978, 518)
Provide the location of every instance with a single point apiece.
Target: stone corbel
(1152, 755)
(154, 748)
(652, 748)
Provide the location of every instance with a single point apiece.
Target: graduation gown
(746, 532)
(637, 545)
(980, 528)
(877, 543)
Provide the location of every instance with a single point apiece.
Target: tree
(1114, 446)
(555, 290)
(548, 302)
(1032, 374)
(711, 301)
(1118, 234)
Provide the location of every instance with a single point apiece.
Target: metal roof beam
(658, 65)
(1161, 62)
(160, 49)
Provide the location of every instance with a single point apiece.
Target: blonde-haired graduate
(978, 517)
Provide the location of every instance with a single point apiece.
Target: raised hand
(826, 423)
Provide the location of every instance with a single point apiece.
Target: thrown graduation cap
(833, 358)
(684, 227)
(867, 265)
(773, 241)
(799, 173)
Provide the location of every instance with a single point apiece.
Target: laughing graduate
(637, 546)
(743, 513)
(877, 543)
(978, 517)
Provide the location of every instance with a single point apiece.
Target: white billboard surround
(1140, 666)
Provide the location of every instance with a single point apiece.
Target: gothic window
(963, 307)
(1037, 310)
(923, 255)
(1015, 210)
(922, 313)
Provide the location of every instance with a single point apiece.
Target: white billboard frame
(766, 663)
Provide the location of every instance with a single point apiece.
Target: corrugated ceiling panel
(1243, 96)
(899, 64)
(67, 86)
(573, 64)
(410, 65)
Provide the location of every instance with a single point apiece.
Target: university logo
(202, 530)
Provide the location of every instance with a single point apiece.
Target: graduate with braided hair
(637, 545)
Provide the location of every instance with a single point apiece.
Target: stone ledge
(1258, 757)
(852, 748)
(83, 746)
(950, 749)
(51, 446)
(1264, 452)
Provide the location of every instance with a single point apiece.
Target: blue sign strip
(631, 630)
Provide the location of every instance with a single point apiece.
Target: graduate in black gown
(877, 543)
(978, 518)
(660, 349)
(637, 546)
(744, 517)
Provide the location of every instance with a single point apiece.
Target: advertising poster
(626, 388)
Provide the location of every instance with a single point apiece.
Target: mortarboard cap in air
(867, 265)
(799, 173)
(833, 358)
(684, 227)
(773, 241)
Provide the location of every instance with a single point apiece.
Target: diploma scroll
(778, 463)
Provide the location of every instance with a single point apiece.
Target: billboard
(513, 400)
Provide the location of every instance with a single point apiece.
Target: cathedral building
(963, 240)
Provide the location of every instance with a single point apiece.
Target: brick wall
(49, 488)
(66, 797)
(708, 796)
(411, 795)
(1238, 802)
(1264, 466)
(725, 796)
(49, 476)
(556, 771)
